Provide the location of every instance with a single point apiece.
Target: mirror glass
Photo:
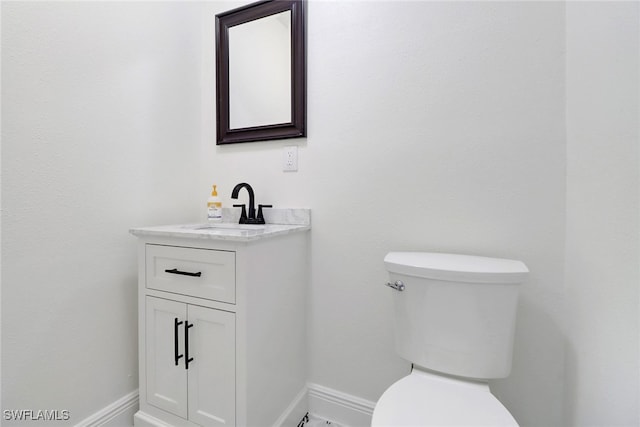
(261, 72)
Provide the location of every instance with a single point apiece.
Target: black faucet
(251, 218)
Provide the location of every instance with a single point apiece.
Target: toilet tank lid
(455, 267)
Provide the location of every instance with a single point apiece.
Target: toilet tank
(457, 313)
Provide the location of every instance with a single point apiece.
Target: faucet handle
(243, 214)
(260, 217)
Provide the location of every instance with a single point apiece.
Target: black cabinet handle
(184, 273)
(175, 340)
(187, 359)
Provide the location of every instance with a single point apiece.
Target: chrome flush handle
(398, 285)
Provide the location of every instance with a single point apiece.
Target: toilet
(454, 321)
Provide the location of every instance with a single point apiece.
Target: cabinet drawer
(201, 273)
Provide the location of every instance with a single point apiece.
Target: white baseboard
(338, 407)
(320, 401)
(295, 411)
(118, 414)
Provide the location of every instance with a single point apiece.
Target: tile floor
(313, 421)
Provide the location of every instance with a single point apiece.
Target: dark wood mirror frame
(297, 127)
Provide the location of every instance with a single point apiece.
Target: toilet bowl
(454, 320)
(428, 399)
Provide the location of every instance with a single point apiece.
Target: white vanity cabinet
(222, 331)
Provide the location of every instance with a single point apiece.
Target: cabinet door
(166, 382)
(212, 371)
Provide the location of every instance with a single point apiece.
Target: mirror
(261, 72)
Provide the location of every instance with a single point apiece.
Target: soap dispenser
(214, 206)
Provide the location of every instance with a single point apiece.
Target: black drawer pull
(184, 273)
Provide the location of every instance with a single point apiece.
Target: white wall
(602, 213)
(100, 130)
(432, 126)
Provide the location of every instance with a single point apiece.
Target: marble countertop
(222, 231)
(290, 221)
